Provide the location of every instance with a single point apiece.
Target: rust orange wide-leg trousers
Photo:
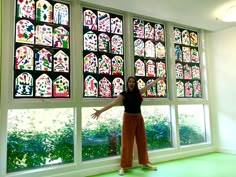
(133, 126)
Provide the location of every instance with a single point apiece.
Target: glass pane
(39, 137)
(103, 54)
(191, 124)
(101, 138)
(187, 63)
(158, 126)
(150, 55)
(41, 49)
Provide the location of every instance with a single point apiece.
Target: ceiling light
(230, 15)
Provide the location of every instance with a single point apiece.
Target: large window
(188, 73)
(101, 138)
(103, 53)
(150, 56)
(42, 49)
(39, 137)
(192, 127)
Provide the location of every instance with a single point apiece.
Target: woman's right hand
(96, 114)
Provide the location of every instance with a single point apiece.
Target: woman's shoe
(150, 167)
(121, 171)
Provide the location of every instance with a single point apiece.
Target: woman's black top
(132, 102)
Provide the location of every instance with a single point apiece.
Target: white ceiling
(204, 14)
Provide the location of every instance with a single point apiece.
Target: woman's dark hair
(136, 89)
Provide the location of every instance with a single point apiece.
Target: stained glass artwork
(25, 32)
(103, 22)
(141, 84)
(180, 89)
(152, 92)
(61, 87)
(116, 26)
(104, 88)
(26, 9)
(185, 37)
(161, 88)
(138, 47)
(187, 72)
(149, 54)
(24, 58)
(177, 36)
(149, 49)
(43, 60)
(186, 54)
(90, 41)
(188, 89)
(161, 69)
(104, 65)
(178, 53)
(90, 20)
(149, 31)
(61, 14)
(61, 37)
(43, 35)
(117, 66)
(193, 39)
(90, 63)
(160, 51)
(44, 11)
(139, 28)
(90, 86)
(43, 86)
(103, 53)
(61, 62)
(196, 72)
(104, 42)
(139, 68)
(24, 85)
(194, 56)
(150, 68)
(117, 45)
(179, 72)
(159, 33)
(117, 86)
(197, 89)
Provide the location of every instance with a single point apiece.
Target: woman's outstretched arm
(108, 106)
(147, 87)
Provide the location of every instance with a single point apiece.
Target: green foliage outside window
(30, 149)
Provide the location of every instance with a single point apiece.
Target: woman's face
(131, 84)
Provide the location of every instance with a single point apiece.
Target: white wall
(221, 60)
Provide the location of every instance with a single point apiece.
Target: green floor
(209, 165)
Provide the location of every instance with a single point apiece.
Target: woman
(133, 124)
